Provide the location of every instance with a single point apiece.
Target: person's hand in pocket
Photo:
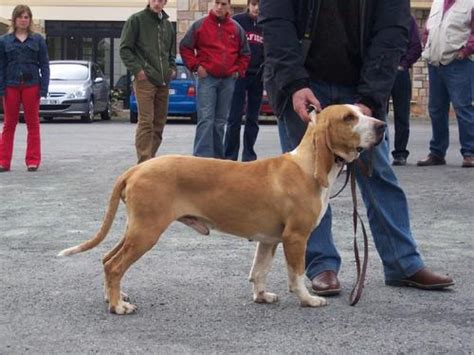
(202, 72)
(172, 74)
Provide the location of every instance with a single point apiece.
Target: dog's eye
(360, 149)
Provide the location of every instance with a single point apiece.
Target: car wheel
(48, 118)
(133, 117)
(107, 113)
(194, 117)
(89, 118)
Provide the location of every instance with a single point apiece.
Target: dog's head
(342, 131)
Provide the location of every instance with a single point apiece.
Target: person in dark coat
(321, 52)
(401, 95)
(247, 89)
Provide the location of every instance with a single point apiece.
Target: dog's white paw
(123, 308)
(265, 297)
(314, 301)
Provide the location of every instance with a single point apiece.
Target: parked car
(76, 88)
(182, 99)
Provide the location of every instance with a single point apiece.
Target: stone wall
(420, 84)
(189, 11)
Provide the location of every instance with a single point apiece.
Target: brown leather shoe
(468, 162)
(326, 284)
(424, 279)
(431, 160)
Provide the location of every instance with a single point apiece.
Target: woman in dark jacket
(24, 78)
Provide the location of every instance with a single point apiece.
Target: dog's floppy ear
(322, 156)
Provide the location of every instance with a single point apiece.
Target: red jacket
(218, 45)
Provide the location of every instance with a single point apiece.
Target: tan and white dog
(274, 200)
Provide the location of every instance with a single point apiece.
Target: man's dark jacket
(384, 38)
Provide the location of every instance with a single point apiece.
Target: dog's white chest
(326, 193)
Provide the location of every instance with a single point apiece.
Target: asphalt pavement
(192, 290)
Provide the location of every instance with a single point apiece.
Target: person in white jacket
(449, 51)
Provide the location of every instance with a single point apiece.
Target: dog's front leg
(294, 246)
(258, 274)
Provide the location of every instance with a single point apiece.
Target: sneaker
(32, 167)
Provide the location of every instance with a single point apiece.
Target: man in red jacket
(216, 48)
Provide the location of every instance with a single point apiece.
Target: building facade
(90, 29)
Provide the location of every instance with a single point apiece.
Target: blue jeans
(250, 88)
(453, 82)
(387, 208)
(401, 97)
(214, 96)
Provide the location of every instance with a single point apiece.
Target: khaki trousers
(152, 104)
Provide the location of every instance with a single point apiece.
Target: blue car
(182, 99)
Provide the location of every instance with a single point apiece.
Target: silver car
(76, 88)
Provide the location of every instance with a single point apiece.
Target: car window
(183, 73)
(69, 71)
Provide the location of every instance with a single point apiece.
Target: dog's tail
(106, 224)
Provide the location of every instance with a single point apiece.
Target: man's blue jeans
(401, 97)
(250, 89)
(387, 208)
(214, 97)
(453, 82)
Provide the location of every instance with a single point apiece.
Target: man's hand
(141, 75)
(301, 100)
(365, 110)
(173, 74)
(202, 72)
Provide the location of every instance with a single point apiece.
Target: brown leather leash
(356, 292)
(366, 171)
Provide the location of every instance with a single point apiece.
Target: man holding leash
(322, 52)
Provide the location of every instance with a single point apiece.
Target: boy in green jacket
(148, 50)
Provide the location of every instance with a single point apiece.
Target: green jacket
(149, 43)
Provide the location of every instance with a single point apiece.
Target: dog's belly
(264, 235)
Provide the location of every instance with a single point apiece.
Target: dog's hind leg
(294, 246)
(138, 240)
(105, 259)
(114, 250)
(258, 274)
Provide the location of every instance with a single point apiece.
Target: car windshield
(69, 72)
